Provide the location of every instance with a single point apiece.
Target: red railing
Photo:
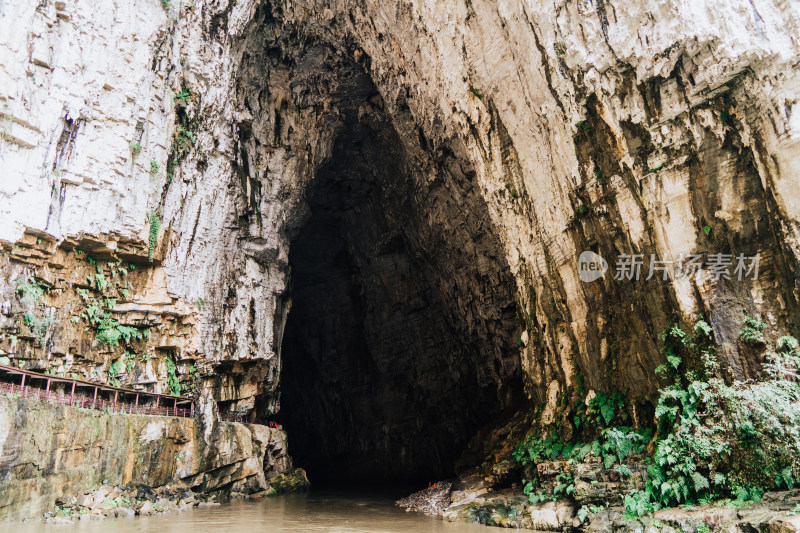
(90, 402)
(45, 387)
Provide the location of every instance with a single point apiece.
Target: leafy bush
(184, 96)
(114, 370)
(38, 326)
(155, 225)
(614, 445)
(110, 332)
(184, 140)
(752, 332)
(31, 295)
(31, 292)
(172, 377)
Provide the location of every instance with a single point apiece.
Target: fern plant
(753, 331)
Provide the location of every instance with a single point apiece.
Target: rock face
(426, 175)
(50, 452)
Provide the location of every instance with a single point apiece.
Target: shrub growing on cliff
(172, 377)
(184, 140)
(613, 446)
(155, 225)
(184, 95)
(31, 295)
(114, 370)
(31, 292)
(110, 332)
(752, 332)
(38, 326)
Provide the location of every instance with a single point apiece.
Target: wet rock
(165, 504)
(124, 512)
(784, 525)
(294, 480)
(146, 509)
(552, 516)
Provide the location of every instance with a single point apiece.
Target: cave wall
(620, 127)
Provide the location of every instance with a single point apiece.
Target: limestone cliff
(414, 180)
(50, 453)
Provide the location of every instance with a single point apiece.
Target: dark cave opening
(401, 339)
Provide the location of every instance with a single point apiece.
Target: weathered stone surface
(50, 452)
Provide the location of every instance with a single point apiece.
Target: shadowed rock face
(400, 340)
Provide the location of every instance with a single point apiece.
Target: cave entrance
(401, 339)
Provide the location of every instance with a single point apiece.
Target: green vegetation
(719, 441)
(110, 332)
(185, 95)
(166, 4)
(114, 370)
(130, 361)
(194, 377)
(31, 295)
(184, 140)
(583, 128)
(38, 326)
(136, 148)
(172, 377)
(476, 92)
(752, 332)
(97, 311)
(154, 168)
(184, 137)
(155, 225)
(713, 441)
(613, 445)
(31, 291)
(584, 511)
(707, 229)
(172, 164)
(94, 302)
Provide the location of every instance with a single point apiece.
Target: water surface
(314, 512)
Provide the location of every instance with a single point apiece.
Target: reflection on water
(316, 511)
